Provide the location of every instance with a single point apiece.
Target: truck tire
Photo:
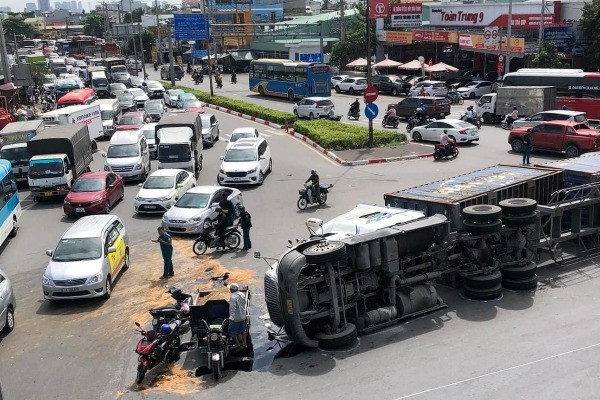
(488, 118)
(520, 220)
(342, 338)
(519, 272)
(517, 146)
(517, 206)
(324, 252)
(481, 213)
(476, 282)
(523, 284)
(572, 151)
(482, 229)
(484, 294)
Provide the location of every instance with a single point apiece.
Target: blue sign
(564, 38)
(311, 57)
(200, 54)
(371, 110)
(190, 26)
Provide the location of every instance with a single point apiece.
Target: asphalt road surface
(542, 345)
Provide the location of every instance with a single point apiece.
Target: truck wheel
(517, 146)
(488, 118)
(519, 272)
(324, 252)
(521, 220)
(523, 284)
(484, 294)
(572, 151)
(475, 282)
(482, 229)
(517, 206)
(342, 338)
(481, 213)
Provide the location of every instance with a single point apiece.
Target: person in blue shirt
(166, 249)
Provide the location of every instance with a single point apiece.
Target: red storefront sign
(419, 35)
(523, 20)
(379, 8)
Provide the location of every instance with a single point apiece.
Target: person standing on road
(246, 224)
(527, 145)
(237, 316)
(166, 249)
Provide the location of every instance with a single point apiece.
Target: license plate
(47, 193)
(236, 179)
(71, 289)
(150, 207)
(79, 209)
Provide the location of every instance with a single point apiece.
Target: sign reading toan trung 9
(525, 15)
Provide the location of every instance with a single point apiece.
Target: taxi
(87, 259)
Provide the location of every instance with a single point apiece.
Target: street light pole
(5, 66)
(171, 63)
(508, 38)
(142, 50)
(370, 141)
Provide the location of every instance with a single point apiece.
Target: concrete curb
(315, 145)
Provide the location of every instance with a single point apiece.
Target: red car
(192, 105)
(94, 193)
(133, 121)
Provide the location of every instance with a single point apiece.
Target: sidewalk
(384, 154)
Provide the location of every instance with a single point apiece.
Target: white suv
(351, 85)
(246, 162)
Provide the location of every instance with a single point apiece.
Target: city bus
(286, 78)
(10, 208)
(77, 97)
(575, 89)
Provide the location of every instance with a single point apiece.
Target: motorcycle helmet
(175, 293)
(313, 171)
(515, 107)
(165, 329)
(445, 130)
(470, 108)
(241, 208)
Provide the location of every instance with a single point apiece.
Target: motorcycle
(154, 348)
(354, 114)
(189, 69)
(439, 151)
(455, 97)
(156, 66)
(180, 310)
(209, 239)
(197, 79)
(391, 122)
(219, 82)
(304, 201)
(506, 122)
(415, 121)
(475, 120)
(234, 78)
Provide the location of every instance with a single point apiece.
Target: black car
(166, 74)
(390, 84)
(155, 108)
(435, 107)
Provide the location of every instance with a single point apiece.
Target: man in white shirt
(445, 140)
(237, 315)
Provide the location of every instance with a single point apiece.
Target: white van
(128, 155)
(110, 112)
(99, 83)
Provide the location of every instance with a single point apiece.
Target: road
(518, 347)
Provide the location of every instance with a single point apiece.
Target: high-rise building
(79, 6)
(5, 9)
(29, 7)
(43, 5)
(73, 6)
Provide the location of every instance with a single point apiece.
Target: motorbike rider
(445, 141)
(355, 107)
(513, 116)
(233, 77)
(470, 115)
(390, 115)
(189, 67)
(420, 114)
(221, 227)
(155, 65)
(314, 187)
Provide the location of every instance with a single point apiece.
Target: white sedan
(351, 85)
(162, 189)
(171, 97)
(458, 130)
(475, 89)
(195, 210)
(241, 133)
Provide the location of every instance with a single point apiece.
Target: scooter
(180, 310)
(154, 348)
(506, 122)
(234, 78)
(304, 200)
(475, 120)
(209, 239)
(455, 98)
(390, 122)
(197, 79)
(415, 121)
(354, 114)
(156, 66)
(439, 151)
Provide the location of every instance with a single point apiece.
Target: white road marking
(498, 371)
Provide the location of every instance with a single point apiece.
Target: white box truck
(529, 100)
(87, 114)
(13, 145)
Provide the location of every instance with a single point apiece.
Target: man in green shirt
(166, 249)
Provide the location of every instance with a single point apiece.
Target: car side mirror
(221, 157)
(179, 185)
(104, 154)
(111, 250)
(140, 184)
(529, 130)
(214, 205)
(49, 253)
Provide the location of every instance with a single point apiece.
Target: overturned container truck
(375, 266)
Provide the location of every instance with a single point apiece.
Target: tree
(547, 56)
(355, 45)
(94, 24)
(135, 14)
(16, 25)
(590, 27)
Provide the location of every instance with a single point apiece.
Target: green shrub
(278, 117)
(334, 135)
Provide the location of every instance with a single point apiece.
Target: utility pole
(342, 22)
(321, 41)
(142, 50)
(171, 61)
(508, 38)
(369, 80)
(158, 43)
(541, 35)
(135, 55)
(16, 51)
(209, 44)
(67, 27)
(5, 66)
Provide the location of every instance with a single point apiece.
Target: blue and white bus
(10, 208)
(286, 78)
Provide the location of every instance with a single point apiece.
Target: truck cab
(175, 149)
(50, 175)
(13, 145)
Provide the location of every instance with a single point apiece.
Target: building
(29, 7)
(5, 9)
(79, 6)
(43, 5)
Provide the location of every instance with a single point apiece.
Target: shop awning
(387, 63)
(359, 62)
(440, 67)
(414, 64)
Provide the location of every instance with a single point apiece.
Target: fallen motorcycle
(209, 239)
(304, 201)
(440, 152)
(180, 310)
(156, 347)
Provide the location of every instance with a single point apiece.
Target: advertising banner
(420, 35)
(406, 15)
(491, 36)
(563, 38)
(395, 37)
(466, 41)
(379, 8)
(525, 15)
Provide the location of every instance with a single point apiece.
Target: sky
(19, 5)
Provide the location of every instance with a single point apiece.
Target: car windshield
(184, 96)
(154, 85)
(107, 115)
(122, 151)
(46, 168)
(135, 80)
(136, 92)
(240, 155)
(16, 155)
(153, 106)
(78, 249)
(193, 200)
(117, 86)
(131, 121)
(159, 182)
(125, 98)
(235, 136)
(49, 79)
(88, 185)
(191, 103)
(175, 92)
(149, 134)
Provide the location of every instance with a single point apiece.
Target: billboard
(564, 38)
(467, 41)
(420, 35)
(406, 15)
(379, 8)
(525, 15)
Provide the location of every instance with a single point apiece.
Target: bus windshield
(289, 79)
(10, 209)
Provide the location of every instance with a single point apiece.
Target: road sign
(310, 57)
(501, 58)
(190, 26)
(198, 54)
(370, 94)
(379, 8)
(371, 110)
